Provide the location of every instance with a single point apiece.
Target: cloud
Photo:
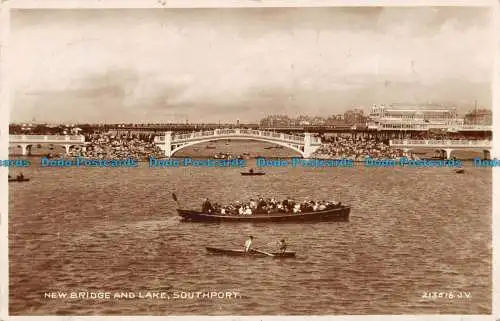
(217, 64)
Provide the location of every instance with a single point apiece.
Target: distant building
(318, 121)
(479, 117)
(301, 121)
(355, 116)
(285, 121)
(383, 117)
(276, 121)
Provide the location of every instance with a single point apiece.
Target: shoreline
(142, 160)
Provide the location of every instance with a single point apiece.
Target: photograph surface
(250, 161)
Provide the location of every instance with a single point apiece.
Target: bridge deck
(45, 138)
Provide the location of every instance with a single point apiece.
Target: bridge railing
(226, 131)
(474, 127)
(293, 137)
(437, 142)
(42, 138)
(232, 132)
(179, 137)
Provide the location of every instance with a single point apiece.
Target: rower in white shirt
(248, 243)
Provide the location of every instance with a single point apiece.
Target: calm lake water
(411, 231)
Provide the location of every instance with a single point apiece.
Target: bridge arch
(176, 148)
(303, 145)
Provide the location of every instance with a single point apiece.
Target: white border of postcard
(6, 5)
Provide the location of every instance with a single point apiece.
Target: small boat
(214, 250)
(19, 179)
(339, 213)
(210, 147)
(252, 173)
(460, 171)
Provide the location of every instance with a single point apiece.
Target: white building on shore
(419, 118)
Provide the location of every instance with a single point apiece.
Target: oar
(175, 199)
(266, 253)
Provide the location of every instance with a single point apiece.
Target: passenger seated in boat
(248, 243)
(251, 170)
(216, 208)
(306, 207)
(248, 211)
(232, 209)
(20, 176)
(241, 211)
(261, 203)
(282, 246)
(296, 209)
(253, 204)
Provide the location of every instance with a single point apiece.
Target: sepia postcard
(249, 159)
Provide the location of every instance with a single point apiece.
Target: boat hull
(336, 214)
(252, 174)
(19, 180)
(213, 250)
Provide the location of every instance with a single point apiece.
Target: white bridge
(445, 146)
(305, 145)
(26, 141)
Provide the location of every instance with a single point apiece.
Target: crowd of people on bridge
(117, 146)
(440, 135)
(260, 205)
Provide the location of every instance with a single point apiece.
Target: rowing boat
(214, 250)
(252, 173)
(19, 179)
(339, 213)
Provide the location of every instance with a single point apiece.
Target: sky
(211, 65)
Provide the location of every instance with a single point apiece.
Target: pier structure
(445, 147)
(27, 141)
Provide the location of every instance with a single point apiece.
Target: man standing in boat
(248, 243)
(206, 207)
